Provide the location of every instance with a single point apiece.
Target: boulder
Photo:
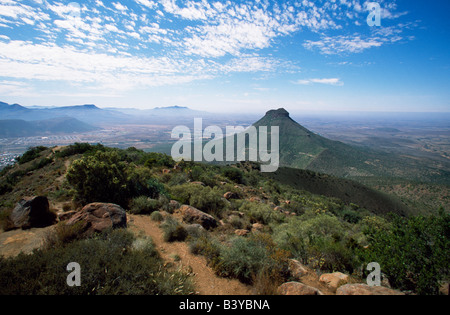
(230, 195)
(192, 215)
(297, 288)
(364, 289)
(98, 217)
(241, 232)
(257, 227)
(334, 280)
(64, 216)
(297, 269)
(32, 212)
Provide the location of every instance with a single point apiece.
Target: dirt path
(206, 281)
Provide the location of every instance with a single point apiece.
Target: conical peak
(278, 113)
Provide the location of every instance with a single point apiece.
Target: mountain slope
(22, 128)
(346, 190)
(302, 148)
(89, 114)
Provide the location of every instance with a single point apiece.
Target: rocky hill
(190, 228)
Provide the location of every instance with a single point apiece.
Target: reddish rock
(98, 217)
(230, 195)
(297, 269)
(334, 280)
(257, 227)
(364, 289)
(192, 215)
(64, 216)
(297, 288)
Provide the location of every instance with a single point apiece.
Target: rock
(64, 216)
(192, 215)
(32, 212)
(364, 289)
(334, 280)
(255, 199)
(444, 289)
(241, 232)
(297, 288)
(98, 217)
(297, 269)
(257, 227)
(279, 209)
(230, 195)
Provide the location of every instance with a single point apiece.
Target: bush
(207, 247)
(246, 258)
(79, 148)
(233, 174)
(157, 216)
(99, 178)
(414, 252)
(206, 199)
(110, 265)
(158, 159)
(261, 213)
(321, 241)
(63, 234)
(30, 155)
(144, 205)
(173, 231)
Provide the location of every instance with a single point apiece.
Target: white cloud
(329, 81)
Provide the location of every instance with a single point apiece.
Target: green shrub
(245, 258)
(157, 216)
(144, 205)
(110, 265)
(414, 252)
(322, 241)
(173, 231)
(99, 178)
(30, 155)
(78, 148)
(206, 199)
(157, 159)
(206, 246)
(233, 174)
(261, 213)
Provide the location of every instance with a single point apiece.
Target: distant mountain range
(96, 116)
(15, 128)
(89, 114)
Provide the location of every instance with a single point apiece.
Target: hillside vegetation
(263, 221)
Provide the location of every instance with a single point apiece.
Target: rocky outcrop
(192, 215)
(230, 195)
(297, 269)
(297, 288)
(334, 280)
(32, 212)
(98, 217)
(364, 289)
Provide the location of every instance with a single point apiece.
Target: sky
(227, 56)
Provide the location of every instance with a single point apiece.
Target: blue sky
(219, 56)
